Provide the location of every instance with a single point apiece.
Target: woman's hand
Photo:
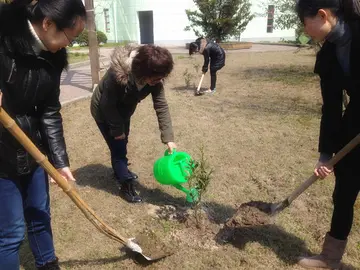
(321, 170)
(0, 97)
(121, 137)
(65, 173)
(171, 146)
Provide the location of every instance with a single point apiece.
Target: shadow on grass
(276, 105)
(286, 246)
(28, 262)
(94, 262)
(26, 258)
(184, 88)
(101, 177)
(290, 75)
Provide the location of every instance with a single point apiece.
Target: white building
(163, 22)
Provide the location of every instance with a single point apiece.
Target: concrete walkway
(76, 82)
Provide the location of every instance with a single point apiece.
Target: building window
(270, 19)
(107, 20)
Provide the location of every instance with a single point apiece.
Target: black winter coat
(30, 85)
(115, 99)
(338, 128)
(213, 54)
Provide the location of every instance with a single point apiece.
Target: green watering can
(174, 169)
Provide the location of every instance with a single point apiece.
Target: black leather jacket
(30, 85)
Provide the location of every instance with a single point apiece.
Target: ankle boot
(128, 192)
(132, 175)
(330, 256)
(54, 265)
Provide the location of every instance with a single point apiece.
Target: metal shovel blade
(278, 207)
(147, 249)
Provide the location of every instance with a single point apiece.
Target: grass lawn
(106, 45)
(77, 57)
(260, 134)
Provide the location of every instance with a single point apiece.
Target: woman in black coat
(213, 54)
(33, 37)
(338, 66)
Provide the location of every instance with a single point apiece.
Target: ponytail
(350, 9)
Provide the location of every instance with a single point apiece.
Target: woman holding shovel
(213, 54)
(134, 74)
(33, 37)
(337, 23)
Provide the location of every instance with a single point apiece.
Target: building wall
(256, 30)
(169, 21)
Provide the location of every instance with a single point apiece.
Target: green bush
(83, 38)
(101, 37)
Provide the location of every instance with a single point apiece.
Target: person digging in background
(134, 74)
(337, 23)
(213, 55)
(33, 37)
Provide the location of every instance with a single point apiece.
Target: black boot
(132, 175)
(54, 265)
(128, 192)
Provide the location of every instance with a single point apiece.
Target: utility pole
(93, 44)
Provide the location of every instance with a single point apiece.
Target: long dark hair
(348, 9)
(193, 48)
(62, 12)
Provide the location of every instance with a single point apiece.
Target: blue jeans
(25, 201)
(118, 151)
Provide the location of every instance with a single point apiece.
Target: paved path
(76, 82)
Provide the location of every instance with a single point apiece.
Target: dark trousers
(213, 76)
(25, 201)
(213, 79)
(347, 187)
(118, 151)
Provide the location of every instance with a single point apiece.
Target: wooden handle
(40, 158)
(201, 80)
(335, 159)
(344, 151)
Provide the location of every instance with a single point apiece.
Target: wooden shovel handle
(42, 160)
(201, 80)
(332, 162)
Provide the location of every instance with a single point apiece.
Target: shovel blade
(147, 248)
(278, 207)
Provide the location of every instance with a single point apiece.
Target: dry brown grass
(260, 135)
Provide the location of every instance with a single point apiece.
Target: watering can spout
(192, 195)
(180, 187)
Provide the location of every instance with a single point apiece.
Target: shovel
(199, 86)
(21, 137)
(278, 207)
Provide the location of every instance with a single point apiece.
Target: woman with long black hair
(33, 37)
(337, 23)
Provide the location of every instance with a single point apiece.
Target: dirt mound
(251, 214)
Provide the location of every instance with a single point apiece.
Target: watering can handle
(167, 152)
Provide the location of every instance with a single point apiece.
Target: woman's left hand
(66, 173)
(171, 146)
